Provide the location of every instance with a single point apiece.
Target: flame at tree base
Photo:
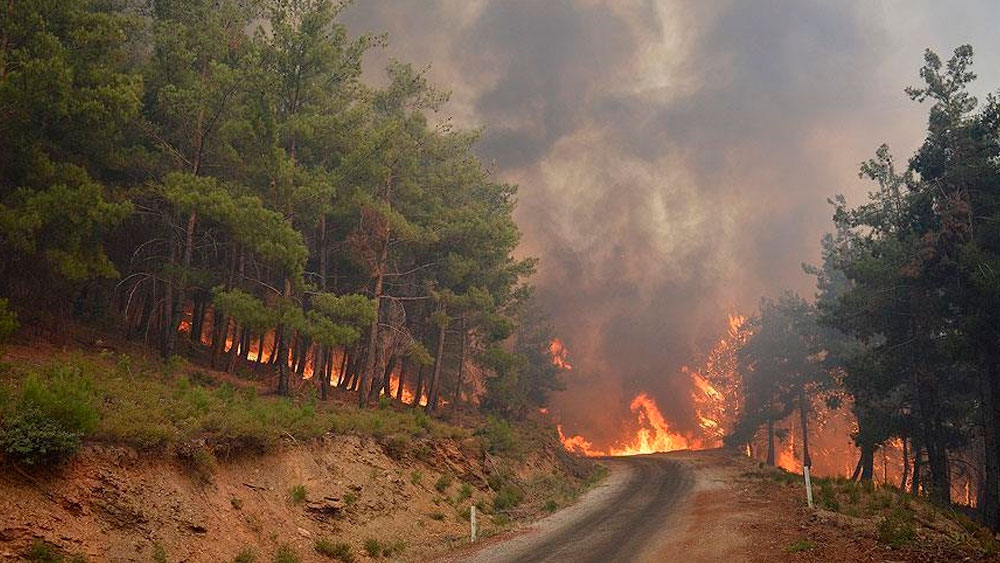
(653, 435)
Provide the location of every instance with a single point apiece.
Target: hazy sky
(674, 158)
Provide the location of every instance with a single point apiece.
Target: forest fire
(560, 355)
(652, 433)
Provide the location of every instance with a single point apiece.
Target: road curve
(619, 521)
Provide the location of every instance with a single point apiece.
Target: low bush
(43, 552)
(286, 554)
(897, 529)
(396, 446)
(498, 434)
(248, 555)
(297, 494)
(340, 551)
(372, 547)
(800, 546)
(8, 320)
(443, 483)
(507, 497)
(464, 492)
(51, 414)
(159, 553)
(375, 548)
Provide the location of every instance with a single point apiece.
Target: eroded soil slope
(111, 504)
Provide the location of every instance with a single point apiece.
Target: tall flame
(714, 394)
(560, 355)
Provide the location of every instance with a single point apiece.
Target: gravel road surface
(621, 520)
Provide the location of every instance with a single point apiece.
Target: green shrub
(550, 506)
(394, 548)
(341, 551)
(297, 494)
(286, 554)
(65, 396)
(202, 462)
(800, 545)
(248, 555)
(416, 476)
(437, 516)
(159, 553)
(464, 492)
(350, 499)
(50, 416)
(499, 435)
(897, 529)
(8, 320)
(43, 552)
(443, 483)
(384, 402)
(31, 438)
(372, 547)
(853, 495)
(422, 421)
(508, 497)
(396, 446)
(498, 478)
(828, 497)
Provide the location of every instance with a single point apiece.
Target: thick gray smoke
(674, 158)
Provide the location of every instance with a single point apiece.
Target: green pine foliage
(218, 180)
(904, 323)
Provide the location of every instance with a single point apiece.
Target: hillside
(183, 464)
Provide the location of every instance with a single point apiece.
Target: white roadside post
(472, 523)
(809, 487)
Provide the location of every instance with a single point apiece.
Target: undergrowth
(46, 412)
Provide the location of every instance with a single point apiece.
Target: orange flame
(560, 355)
(653, 434)
(715, 408)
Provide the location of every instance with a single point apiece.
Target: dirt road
(649, 509)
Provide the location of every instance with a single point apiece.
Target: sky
(674, 158)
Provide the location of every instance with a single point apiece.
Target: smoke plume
(674, 158)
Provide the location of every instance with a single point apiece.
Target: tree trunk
(343, 368)
(282, 352)
(303, 358)
(220, 328)
(918, 462)
(867, 462)
(260, 348)
(197, 321)
(435, 382)
(906, 466)
(457, 395)
(770, 442)
(990, 486)
(804, 417)
(420, 387)
(179, 302)
(368, 374)
(937, 462)
(401, 381)
(234, 349)
(387, 375)
(320, 373)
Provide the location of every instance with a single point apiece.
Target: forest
(903, 328)
(218, 181)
